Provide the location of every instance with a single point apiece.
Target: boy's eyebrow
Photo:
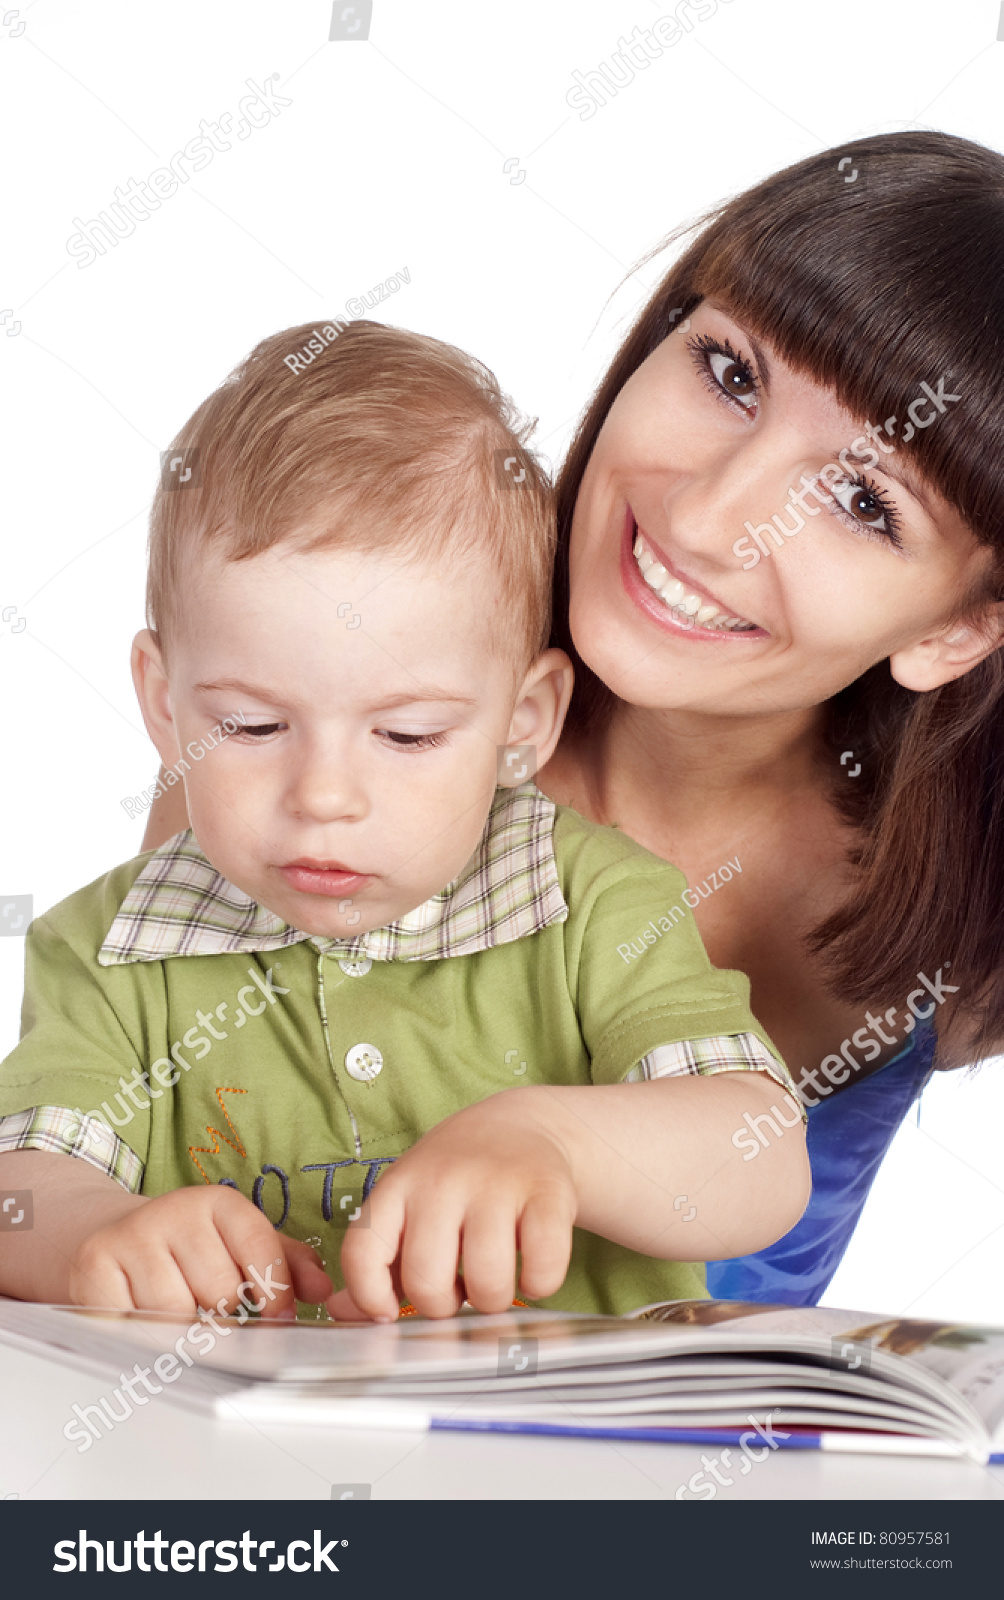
(421, 692)
(253, 689)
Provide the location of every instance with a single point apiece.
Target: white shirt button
(363, 1062)
(355, 968)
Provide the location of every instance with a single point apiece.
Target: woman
(782, 542)
(805, 674)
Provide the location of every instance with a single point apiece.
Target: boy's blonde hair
(366, 437)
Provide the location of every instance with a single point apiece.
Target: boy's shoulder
(83, 919)
(589, 851)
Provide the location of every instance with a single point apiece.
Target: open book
(689, 1370)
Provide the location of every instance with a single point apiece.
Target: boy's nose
(328, 793)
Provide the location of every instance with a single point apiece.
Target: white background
(392, 154)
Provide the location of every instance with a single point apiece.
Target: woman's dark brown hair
(871, 287)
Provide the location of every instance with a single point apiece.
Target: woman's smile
(670, 597)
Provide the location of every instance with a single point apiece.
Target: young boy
(376, 998)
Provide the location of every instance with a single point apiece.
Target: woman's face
(709, 440)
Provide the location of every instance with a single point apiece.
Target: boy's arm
(651, 1166)
(69, 1198)
(93, 1243)
(92, 1239)
(663, 1166)
(655, 1166)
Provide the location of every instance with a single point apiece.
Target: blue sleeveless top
(848, 1136)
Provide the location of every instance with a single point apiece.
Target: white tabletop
(165, 1451)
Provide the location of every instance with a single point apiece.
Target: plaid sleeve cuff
(735, 1052)
(63, 1132)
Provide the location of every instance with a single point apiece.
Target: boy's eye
(725, 371)
(411, 741)
(261, 730)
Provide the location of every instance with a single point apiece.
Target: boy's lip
(653, 607)
(311, 876)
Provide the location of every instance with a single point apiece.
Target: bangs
(875, 287)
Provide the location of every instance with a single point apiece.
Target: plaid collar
(181, 906)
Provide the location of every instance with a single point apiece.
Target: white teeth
(656, 575)
(679, 599)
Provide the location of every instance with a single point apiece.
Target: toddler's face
(361, 780)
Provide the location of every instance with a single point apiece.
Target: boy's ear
(149, 676)
(950, 653)
(541, 704)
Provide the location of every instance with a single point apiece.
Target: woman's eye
(733, 376)
(725, 371)
(868, 507)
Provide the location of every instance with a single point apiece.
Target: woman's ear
(535, 727)
(149, 676)
(950, 653)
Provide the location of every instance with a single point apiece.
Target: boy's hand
(490, 1180)
(192, 1248)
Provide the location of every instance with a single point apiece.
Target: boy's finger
(259, 1252)
(343, 1308)
(368, 1256)
(430, 1253)
(545, 1241)
(489, 1257)
(209, 1269)
(100, 1281)
(310, 1281)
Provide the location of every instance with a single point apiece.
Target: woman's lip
(310, 878)
(643, 597)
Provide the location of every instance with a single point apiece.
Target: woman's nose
(708, 511)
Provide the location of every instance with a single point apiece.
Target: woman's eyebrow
(906, 478)
(762, 364)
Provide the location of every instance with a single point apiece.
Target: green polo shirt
(175, 1032)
